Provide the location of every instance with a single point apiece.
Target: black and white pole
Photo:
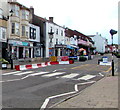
(112, 32)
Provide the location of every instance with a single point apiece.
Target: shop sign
(17, 43)
(83, 42)
(60, 46)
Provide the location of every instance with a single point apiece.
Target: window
(13, 28)
(17, 29)
(3, 33)
(15, 9)
(25, 14)
(23, 30)
(57, 31)
(61, 33)
(32, 33)
(56, 41)
(27, 30)
(1, 11)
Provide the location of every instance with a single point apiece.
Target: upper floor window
(15, 29)
(25, 14)
(25, 31)
(15, 10)
(1, 11)
(32, 33)
(57, 31)
(61, 33)
(56, 41)
(4, 33)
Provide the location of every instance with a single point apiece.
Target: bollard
(112, 68)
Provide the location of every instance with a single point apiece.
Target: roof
(21, 6)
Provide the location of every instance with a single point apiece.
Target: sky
(85, 16)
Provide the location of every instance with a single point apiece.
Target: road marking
(40, 73)
(45, 103)
(101, 74)
(87, 77)
(80, 66)
(53, 74)
(72, 75)
(23, 73)
(108, 69)
(59, 69)
(11, 73)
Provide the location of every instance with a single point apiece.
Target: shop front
(20, 49)
(71, 50)
(60, 50)
(37, 50)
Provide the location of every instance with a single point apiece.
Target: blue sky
(86, 16)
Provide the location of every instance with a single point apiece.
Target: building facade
(35, 39)
(55, 39)
(100, 43)
(3, 38)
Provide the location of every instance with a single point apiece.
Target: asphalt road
(46, 86)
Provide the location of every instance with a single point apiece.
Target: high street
(43, 87)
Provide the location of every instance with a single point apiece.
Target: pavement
(102, 94)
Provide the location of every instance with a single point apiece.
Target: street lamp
(112, 32)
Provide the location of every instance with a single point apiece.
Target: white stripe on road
(44, 105)
(53, 74)
(23, 73)
(72, 75)
(40, 73)
(11, 73)
(87, 77)
(101, 74)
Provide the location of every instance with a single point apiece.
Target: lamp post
(112, 32)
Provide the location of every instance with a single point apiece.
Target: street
(43, 87)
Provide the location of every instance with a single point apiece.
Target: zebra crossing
(55, 74)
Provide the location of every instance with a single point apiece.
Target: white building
(35, 38)
(100, 43)
(55, 39)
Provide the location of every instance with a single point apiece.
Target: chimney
(31, 9)
(51, 19)
(31, 14)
